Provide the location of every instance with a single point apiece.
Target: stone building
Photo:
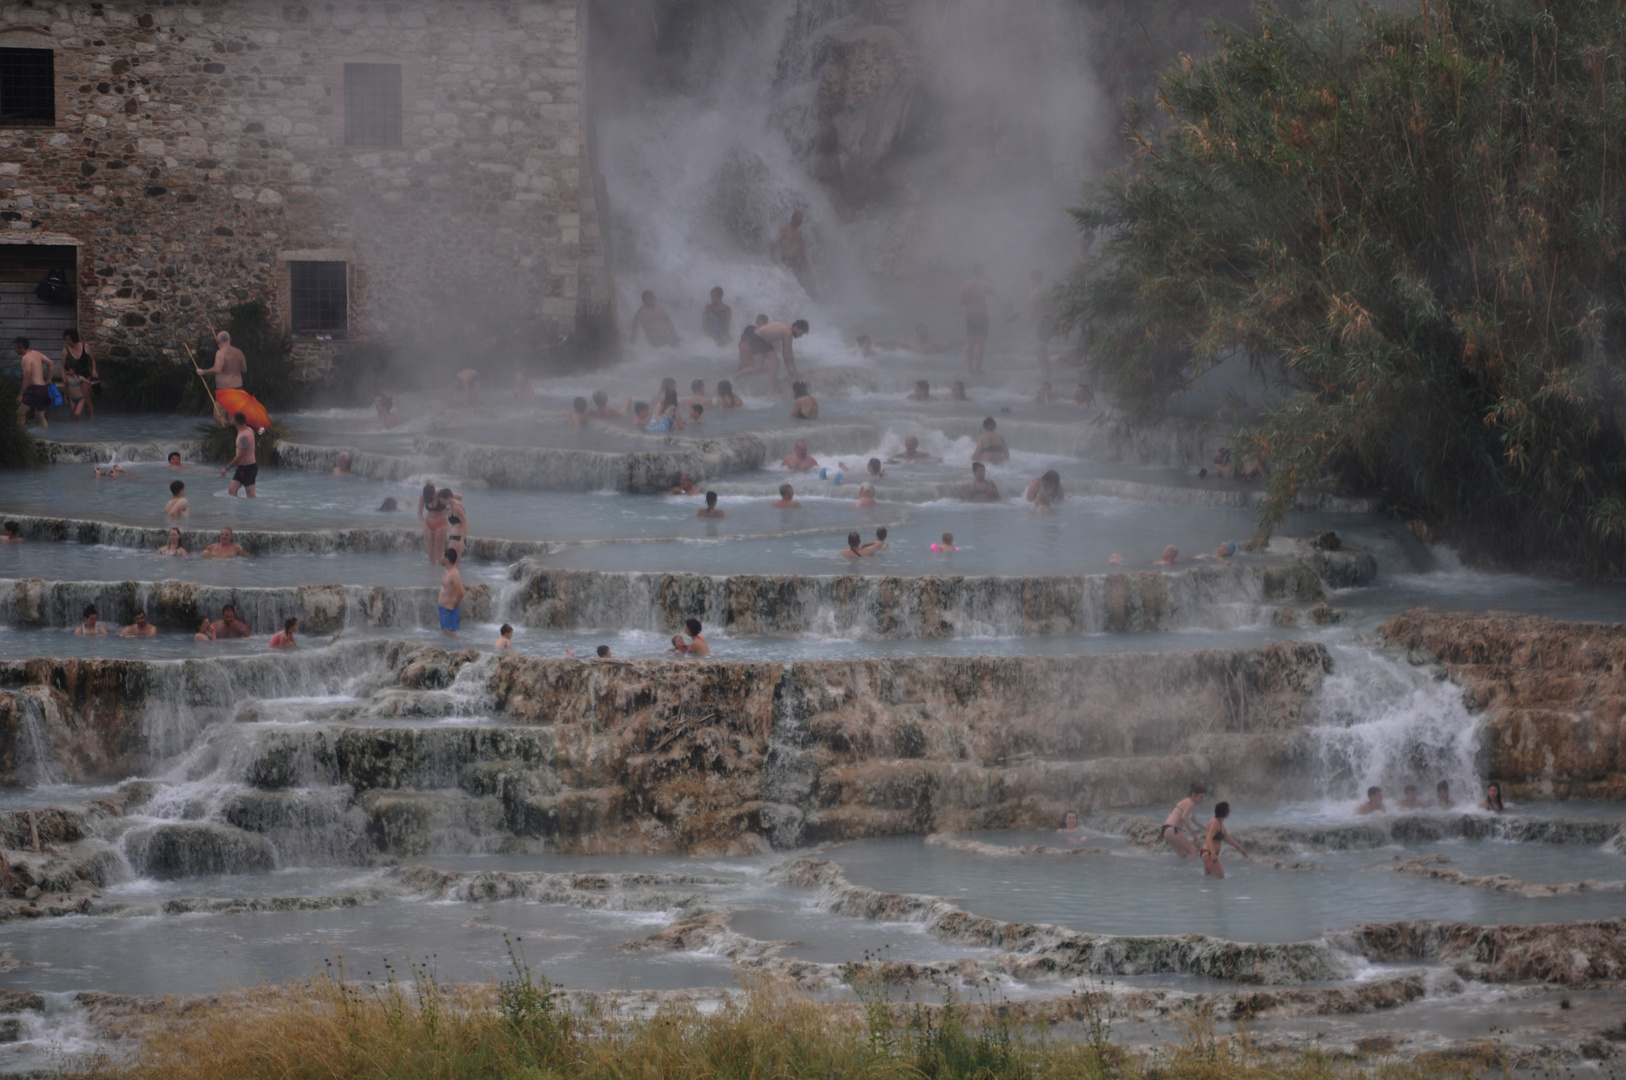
(416, 171)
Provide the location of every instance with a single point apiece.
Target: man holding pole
(230, 364)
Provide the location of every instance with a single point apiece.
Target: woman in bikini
(78, 374)
(1211, 842)
(432, 511)
(1179, 823)
(174, 546)
(454, 534)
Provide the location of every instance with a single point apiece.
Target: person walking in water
(35, 395)
(717, 318)
(790, 250)
(974, 296)
(248, 470)
(1215, 835)
(78, 374)
(1178, 828)
(450, 600)
(230, 364)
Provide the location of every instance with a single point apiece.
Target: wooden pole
(219, 415)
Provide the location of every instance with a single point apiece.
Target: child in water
(945, 546)
(1211, 843)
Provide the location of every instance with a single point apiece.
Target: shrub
(151, 381)
(1413, 226)
(16, 444)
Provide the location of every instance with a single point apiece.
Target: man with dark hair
(780, 336)
(248, 470)
(697, 644)
(230, 626)
(14, 533)
(710, 509)
(603, 652)
(140, 628)
(35, 396)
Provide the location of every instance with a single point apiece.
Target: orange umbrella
(241, 401)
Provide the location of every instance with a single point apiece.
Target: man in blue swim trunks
(451, 595)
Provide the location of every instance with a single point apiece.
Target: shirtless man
(248, 471)
(780, 336)
(1178, 828)
(467, 383)
(175, 461)
(804, 408)
(799, 460)
(177, 505)
(92, 626)
(1212, 839)
(140, 628)
(1373, 803)
(753, 350)
(35, 396)
(981, 489)
(854, 548)
(450, 601)
(787, 499)
(230, 364)
(656, 324)
(697, 644)
(230, 626)
(224, 548)
(710, 509)
(912, 452)
(991, 447)
(791, 248)
(974, 296)
(717, 318)
(603, 410)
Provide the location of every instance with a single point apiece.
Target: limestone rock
(865, 101)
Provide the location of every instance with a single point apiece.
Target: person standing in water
(230, 364)
(432, 511)
(1215, 835)
(781, 336)
(248, 470)
(991, 447)
(1178, 829)
(974, 296)
(450, 601)
(717, 318)
(78, 374)
(655, 323)
(35, 395)
(790, 250)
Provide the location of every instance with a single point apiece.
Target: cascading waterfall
(1383, 722)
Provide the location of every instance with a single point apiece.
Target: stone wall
(199, 147)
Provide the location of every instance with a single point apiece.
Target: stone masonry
(199, 148)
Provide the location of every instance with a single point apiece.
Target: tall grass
(1415, 227)
(328, 1029)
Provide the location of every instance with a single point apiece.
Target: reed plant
(1412, 225)
(327, 1028)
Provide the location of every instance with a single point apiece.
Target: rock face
(1554, 695)
(911, 607)
(652, 756)
(865, 101)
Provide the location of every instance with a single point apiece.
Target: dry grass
(327, 1029)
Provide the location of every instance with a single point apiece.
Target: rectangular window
(372, 104)
(319, 298)
(27, 88)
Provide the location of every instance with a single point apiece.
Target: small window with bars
(319, 298)
(372, 104)
(27, 88)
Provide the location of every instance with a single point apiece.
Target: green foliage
(220, 442)
(1413, 226)
(150, 382)
(16, 444)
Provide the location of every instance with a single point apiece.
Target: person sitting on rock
(1373, 803)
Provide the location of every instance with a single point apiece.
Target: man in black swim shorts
(754, 349)
(248, 470)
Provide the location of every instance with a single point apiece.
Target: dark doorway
(23, 313)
